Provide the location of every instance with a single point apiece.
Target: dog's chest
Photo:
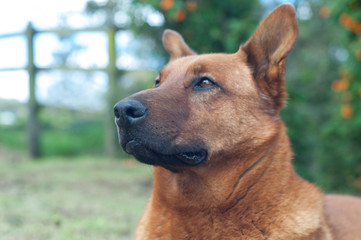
(210, 225)
(198, 225)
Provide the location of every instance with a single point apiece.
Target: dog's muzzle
(149, 146)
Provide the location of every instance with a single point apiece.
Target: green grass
(83, 198)
(74, 139)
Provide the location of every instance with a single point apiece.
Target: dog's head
(208, 107)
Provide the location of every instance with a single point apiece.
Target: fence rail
(33, 128)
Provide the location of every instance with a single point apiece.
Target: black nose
(129, 111)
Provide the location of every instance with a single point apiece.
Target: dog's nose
(129, 111)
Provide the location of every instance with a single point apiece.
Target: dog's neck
(245, 191)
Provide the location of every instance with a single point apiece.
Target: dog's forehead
(222, 67)
(204, 63)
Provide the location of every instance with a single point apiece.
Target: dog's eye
(157, 82)
(204, 83)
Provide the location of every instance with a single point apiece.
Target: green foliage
(342, 133)
(209, 26)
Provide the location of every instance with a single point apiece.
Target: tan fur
(344, 216)
(247, 188)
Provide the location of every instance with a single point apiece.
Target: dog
(221, 154)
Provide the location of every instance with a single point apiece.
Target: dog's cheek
(211, 122)
(243, 123)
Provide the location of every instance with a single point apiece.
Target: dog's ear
(174, 43)
(267, 51)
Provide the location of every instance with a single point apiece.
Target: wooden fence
(33, 128)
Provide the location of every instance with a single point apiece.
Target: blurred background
(64, 64)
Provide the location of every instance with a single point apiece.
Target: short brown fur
(247, 188)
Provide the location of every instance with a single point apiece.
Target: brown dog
(222, 157)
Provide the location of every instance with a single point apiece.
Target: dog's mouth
(174, 157)
(192, 158)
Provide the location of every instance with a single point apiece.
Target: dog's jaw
(172, 158)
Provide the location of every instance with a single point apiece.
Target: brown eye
(204, 83)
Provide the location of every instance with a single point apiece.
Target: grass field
(71, 199)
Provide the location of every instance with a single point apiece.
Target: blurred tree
(209, 26)
(342, 134)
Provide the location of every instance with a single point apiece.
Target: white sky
(48, 14)
(14, 17)
(44, 13)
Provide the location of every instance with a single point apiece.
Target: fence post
(112, 71)
(33, 106)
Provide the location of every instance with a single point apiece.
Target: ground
(84, 198)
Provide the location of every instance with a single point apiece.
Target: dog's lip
(188, 157)
(193, 158)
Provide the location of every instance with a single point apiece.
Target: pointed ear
(267, 51)
(174, 43)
